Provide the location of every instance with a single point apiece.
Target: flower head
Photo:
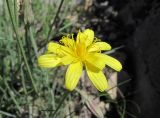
(85, 51)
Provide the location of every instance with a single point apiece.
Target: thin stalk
(52, 24)
(50, 89)
(2, 89)
(23, 81)
(59, 8)
(15, 12)
(130, 114)
(53, 97)
(114, 50)
(136, 105)
(124, 108)
(120, 84)
(12, 96)
(33, 41)
(21, 47)
(61, 102)
(7, 114)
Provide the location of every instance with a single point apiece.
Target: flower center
(81, 51)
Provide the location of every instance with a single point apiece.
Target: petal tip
(69, 88)
(119, 67)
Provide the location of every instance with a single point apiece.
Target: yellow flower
(85, 51)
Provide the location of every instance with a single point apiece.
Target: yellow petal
(95, 60)
(59, 49)
(90, 36)
(110, 61)
(86, 37)
(54, 47)
(97, 78)
(81, 37)
(68, 42)
(98, 46)
(48, 60)
(73, 74)
(66, 60)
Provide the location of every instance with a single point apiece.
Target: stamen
(72, 37)
(96, 40)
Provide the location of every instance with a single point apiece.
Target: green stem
(21, 47)
(23, 81)
(7, 114)
(52, 24)
(61, 102)
(12, 96)
(15, 12)
(59, 8)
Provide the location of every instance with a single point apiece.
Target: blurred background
(132, 28)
